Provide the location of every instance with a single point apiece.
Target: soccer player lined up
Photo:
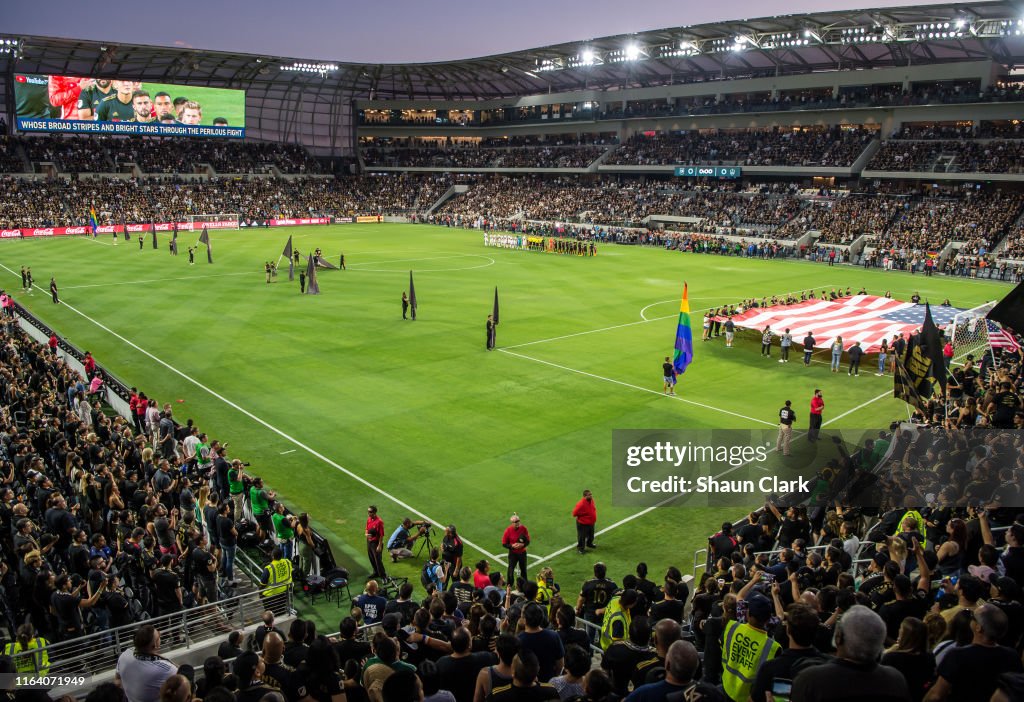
(143, 106)
(94, 91)
(118, 106)
(192, 113)
(163, 106)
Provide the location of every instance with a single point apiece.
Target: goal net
(969, 331)
(214, 221)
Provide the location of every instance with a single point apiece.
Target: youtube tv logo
(20, 79)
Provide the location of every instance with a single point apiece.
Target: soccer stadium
(678, 365)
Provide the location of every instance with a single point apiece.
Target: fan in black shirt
(670, 607)
(567, 630)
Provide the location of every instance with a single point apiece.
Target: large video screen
(106, 106)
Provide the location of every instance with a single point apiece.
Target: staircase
(448, 195)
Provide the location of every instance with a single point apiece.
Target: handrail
(98, 652)
(699, 562)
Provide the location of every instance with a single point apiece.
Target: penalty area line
(638, 387)
(311, 451)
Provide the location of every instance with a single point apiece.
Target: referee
(786, 418)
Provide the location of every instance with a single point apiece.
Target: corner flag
(683, 355)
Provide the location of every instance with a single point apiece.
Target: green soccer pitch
(340, 403)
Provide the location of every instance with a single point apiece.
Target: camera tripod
(425, 543)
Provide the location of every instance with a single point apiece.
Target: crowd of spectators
(100, 154)
(834, 147)
(477, 156)
(963, 156)
(958, 130)
(980, 218)
(71, 154)
(842, 219)
(1014, 243)
(32, 203)
(104, 520)
(63, 202)
(11, 160)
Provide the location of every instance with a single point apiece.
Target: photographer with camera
(284, 529)
(236, 487)
(260, 499)
(401, 541)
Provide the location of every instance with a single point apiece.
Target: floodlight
(587, 57)
(632, 52)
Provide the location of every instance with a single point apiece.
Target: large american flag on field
(865, 318)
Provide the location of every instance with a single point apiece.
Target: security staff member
(786, 418)
(746, 647)
(29, 664)
(278, 576)
(617, 619)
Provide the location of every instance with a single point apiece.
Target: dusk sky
(390, 31)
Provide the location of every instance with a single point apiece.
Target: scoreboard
(727, 172)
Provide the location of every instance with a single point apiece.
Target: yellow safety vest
(280, 577)
(612, 614)
(744, 650)
(37, 663)
(544, 594)
(920, 525)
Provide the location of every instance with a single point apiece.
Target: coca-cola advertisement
(28, 232)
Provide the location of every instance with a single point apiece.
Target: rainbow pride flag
(92, 219)
(684, 336)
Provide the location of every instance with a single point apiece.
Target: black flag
(931, 346)
(1010, 310)
(124, 226)
(312, 287)
(494, 314)
(287, 253)
(412, 297)
(921, 367)
(174, 241)
(153, 225)
(204, 238)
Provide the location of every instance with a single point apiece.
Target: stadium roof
(791, 44)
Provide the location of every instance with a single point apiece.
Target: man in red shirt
(817, 405)
(516, 538)
(63, 92)
(375, 542)
(585, 513)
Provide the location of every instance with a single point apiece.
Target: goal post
(230, 220)
(969, 333)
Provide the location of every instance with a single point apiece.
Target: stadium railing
(95, 654)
